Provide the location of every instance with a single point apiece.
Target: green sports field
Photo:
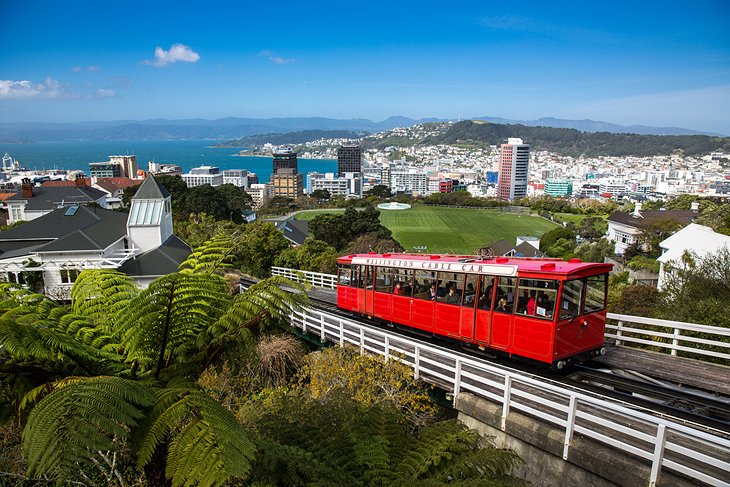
(455, 230)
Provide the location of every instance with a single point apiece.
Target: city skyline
(659, 64)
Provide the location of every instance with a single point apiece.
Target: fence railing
(672, 336)
(318, 279)
(661, 443)
(675, 336)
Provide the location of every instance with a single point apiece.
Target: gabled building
(698, 239)
(35, 201)
(523, 247)
(68, 240)
(625, 229)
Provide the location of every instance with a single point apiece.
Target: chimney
(81, 181)
(27, 188)
(695, 206)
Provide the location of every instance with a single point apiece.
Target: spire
(150, 189)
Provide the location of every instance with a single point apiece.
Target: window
(17, 213)
(404, 278)
(451, 287)
(69, 275)
(537, 298)
(595, 293)
(470, 290)
(570, 301)
(383, 279)
(343, 275)
(426, 284)
(505, 294)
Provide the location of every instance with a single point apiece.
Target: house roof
(524, 249)
(63, 183)
(150, 189)
(161, 261)
(651, 216)
(296, 231)
(4, 196)
(113, 184)
(696, 238)
(59, 231)
(48, 198)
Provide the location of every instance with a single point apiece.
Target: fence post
(416, 365)
(675, 341)
(322, 336)
(387, 347)
(656, 461)
(506, 399)
(342, 333)
(362, 341)
(570, 426)
(457, 378)
(619, 334)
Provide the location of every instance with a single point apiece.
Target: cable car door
(369, 289)
(483, 315)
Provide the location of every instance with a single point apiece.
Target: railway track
(660, 399)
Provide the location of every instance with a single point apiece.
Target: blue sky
(654, 63)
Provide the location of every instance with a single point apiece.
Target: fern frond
(83, 416)
(214, 255)
(101, 294)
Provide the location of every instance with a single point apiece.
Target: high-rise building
(349, 159)
(104, 170)
(514, 159)
(558, 187)
(128, 165)
(288, 183)
(284, 159)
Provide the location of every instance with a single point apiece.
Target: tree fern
(161, 324)
(214, 255)
(70, 423)
(208, 446)
(101, 294)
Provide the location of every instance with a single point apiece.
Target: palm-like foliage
(343, 442)
(119, 364)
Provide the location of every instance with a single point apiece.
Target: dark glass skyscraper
(285, 159)
(349, 159)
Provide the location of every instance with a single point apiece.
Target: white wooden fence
(660, 442)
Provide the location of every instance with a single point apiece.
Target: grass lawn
(578, 219)
(310, 214)
(458, 230)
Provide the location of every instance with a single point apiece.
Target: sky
(651, 63)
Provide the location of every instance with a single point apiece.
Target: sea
(185, 153)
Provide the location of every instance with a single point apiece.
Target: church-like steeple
(150, 216)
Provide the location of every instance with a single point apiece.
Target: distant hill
(236, 127)
(573, 142)
(292, 138)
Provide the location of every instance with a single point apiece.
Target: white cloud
(92, 68)
(50, 88)
(177, 52)
(78, 69)
(104, 93)
(274, 58)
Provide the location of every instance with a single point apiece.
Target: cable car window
(537, 298)
(359, 276)
(570, 302)
(451, 287)
(403, 282)
(426, 285)
(384, 279)
(486, 291)
(470, 290)
(505, 298)
(595, 293)
(344, 275)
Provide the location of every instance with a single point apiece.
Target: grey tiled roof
(161, 261)
(50, 197)
(150, 189)
(88, 229)
(648, 217)
(296, 231)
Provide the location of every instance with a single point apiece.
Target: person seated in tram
(433, 292)
(469, 294)
(532, 302)
(452, 297)
(544, 306)
(485, 300)
(502, 306)
(398, 289)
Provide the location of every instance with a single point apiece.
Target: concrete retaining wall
(540, 445)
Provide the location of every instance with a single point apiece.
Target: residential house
(625, 229)
(697, 239)
(65, 241)
(35, 201)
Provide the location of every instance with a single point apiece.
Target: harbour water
(185, 153)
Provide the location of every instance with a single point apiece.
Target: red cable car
(541, 309)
